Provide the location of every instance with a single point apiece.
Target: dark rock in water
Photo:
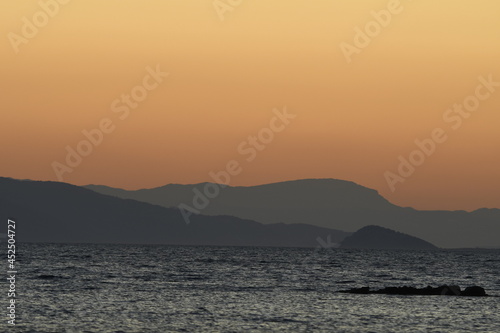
(442, 290)
(364, 290)
(449, 290)
(474, 291)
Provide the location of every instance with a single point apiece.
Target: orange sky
(353, 120)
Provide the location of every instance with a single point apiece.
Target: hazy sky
(353, 119)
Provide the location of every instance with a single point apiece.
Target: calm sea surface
(124, 288)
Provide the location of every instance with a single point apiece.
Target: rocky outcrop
(442, 290)
(474, 291)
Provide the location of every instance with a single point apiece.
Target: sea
(146, 288)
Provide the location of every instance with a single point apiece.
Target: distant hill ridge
(63, 213)
(330, 203)
(328, 193)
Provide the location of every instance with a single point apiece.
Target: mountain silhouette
(59, 212)
(375, 237)
(330, 203)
